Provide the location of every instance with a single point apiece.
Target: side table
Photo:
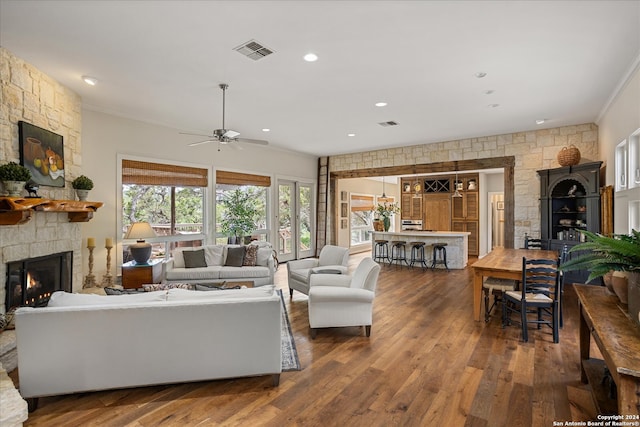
(135, 275)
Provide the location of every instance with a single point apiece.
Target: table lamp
(141, 250)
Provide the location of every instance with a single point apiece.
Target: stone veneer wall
(533, 150)
(30, 95)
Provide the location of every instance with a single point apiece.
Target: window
(621, 166)
(361, 219)
(241, 207)
(169, 197)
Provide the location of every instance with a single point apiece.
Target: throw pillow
(194, 259)
(235, 256)
(204, 287)
(214, 254)
(250, 256)
(118, 291)
(166, 286)
(178, 259)
(264, 254)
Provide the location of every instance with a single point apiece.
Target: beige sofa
(217, 268)
(85, 342)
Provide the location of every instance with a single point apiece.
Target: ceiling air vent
(254, 50)
(389, 123)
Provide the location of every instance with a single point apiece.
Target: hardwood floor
(426, 363)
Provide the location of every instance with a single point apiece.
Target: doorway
(295, 220)
(495, 220)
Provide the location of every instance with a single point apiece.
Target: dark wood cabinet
(569, 202)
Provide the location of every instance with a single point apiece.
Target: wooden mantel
(18, 210)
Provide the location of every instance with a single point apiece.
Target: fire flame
(31, 281)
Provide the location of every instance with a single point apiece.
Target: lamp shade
(141, 250)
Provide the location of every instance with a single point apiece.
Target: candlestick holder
(90, 279)
(107, 279)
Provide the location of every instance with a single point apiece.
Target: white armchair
(342, 300)
(333, 259)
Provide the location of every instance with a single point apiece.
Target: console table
(618, 339)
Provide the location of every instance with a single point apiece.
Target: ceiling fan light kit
(223, 135)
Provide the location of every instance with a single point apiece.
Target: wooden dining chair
(564, 257)
(531, 243)
(539, 294)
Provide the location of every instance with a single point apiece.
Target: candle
(91, 242)
(108, 243)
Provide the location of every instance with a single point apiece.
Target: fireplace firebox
(30, 282)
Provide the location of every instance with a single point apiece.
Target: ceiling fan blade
(201, 142)
(196, 134)
(253, 141)
(231, 134)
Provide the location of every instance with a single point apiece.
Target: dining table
(503, 263)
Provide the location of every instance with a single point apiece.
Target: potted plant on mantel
(238, 220)
(82, 185)
(14, 177)
(603, 254)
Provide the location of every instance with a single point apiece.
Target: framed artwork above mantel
(42, 152)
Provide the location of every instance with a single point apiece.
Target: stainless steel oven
(411, 225)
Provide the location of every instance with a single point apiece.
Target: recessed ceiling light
(540, 121)
(480, 74)
(311, 57)
(266, 130)
(351, 134)
(493, 105)
(488, 92)
(381, 104)
(90, 80)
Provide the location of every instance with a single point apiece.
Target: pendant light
(416, 185)
(455, 183)
(384, 196)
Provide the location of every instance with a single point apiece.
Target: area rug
(290, 361)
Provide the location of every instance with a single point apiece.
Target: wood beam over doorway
(506, 163)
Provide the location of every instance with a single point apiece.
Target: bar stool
(439, 255)
(381, 251)
(398, 251)
(417, 254)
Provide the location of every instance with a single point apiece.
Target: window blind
(147, 173)
(234, 178)
(361, 203)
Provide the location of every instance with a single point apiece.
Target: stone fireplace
(45, 235)
(31, 281)
(34, 97)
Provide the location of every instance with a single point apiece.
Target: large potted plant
(82, 185)
(238, 217)
(603, 254)
(14, 177)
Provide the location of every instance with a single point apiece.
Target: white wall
(106, 136)
(618, 122)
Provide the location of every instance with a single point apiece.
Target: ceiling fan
(224, 136)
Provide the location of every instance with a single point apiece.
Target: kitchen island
(457, 244)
